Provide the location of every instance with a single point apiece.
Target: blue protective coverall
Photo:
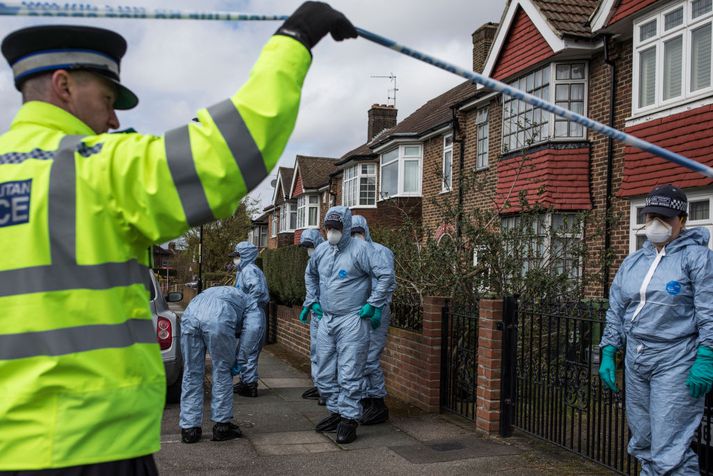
(338, 277)
(374, 374)
(312, 235)
(251, 281)
(661, 321)
(210, 322)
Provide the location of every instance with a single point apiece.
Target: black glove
(313, 20)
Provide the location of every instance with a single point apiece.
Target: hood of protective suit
(345, 215)
(248, 253)
(312, 235)
(689, 237)
(359, 221)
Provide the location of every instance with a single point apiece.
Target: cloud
(177, 67)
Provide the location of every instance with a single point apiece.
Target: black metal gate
(557, 394)
(459, 359)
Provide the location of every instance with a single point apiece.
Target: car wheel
(173, 391)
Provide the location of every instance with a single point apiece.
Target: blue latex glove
(304, 315)
(607, 369)
(367, 310)
(376, 319)
(235, 369)
(317, 311)
(700, 378)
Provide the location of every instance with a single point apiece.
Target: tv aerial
(391, 93)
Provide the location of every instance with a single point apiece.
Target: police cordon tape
(81, 10)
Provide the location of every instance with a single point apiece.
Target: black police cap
(38, 49)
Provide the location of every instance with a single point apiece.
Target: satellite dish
(273, 182)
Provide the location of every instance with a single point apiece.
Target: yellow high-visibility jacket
(81, 377)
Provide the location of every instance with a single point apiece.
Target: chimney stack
(381, 117)
(483, 39)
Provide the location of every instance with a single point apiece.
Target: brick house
(282, 211)
(641, 66)
(310, 190)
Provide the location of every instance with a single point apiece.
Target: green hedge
(284, 270)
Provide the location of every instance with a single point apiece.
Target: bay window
(288, 217)
(562, 83)
(308, 211)
(274, 224)
(359, 186)
(401, 172)
(672, 55)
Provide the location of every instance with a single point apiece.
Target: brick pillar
(431, 358)
(489, 366)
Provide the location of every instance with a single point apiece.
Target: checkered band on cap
(667, 202)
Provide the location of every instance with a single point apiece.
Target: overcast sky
(177, 67)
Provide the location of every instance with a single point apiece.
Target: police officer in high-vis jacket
(81, 377)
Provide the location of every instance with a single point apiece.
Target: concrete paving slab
(429, 427)
(453, 450)
(288, 438)
(301, 383)
(281, 450)
(376, 436)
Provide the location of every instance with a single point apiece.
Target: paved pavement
(279, 438)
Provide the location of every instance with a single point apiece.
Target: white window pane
(576, 130)
(576, 92)
(561, 129)
(389, 180)
(448, 141)
(312, 216)
(411, 176)
(701, 58)
(369, 169)
(412, 151)
(578, 71)
(701, 7)
(647, 77)
(313, 199)
(577, 106)
(447, 168)
(699, 210)
(546, 75)
(563, 71)
(673, 68)
(673, 19)
(562, 92)
(647, 30)
(389, 156)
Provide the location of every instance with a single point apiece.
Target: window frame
(355, 182)
(484, 125)
(688, 26)
(288, 210)
(303, 208)
(637, 229)
(401, 160)
(447, 187)
(275, 229)
(551, 118)
(546, 224)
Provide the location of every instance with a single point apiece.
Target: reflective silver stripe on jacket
(185, 177)
(241, 144)
(76, 339)
(64, 273)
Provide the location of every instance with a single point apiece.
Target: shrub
(285, 270)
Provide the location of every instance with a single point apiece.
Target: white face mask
(236, 261)
(359, 236)
(310, 251)
(658, 231)
(334, 236)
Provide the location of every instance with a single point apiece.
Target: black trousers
(141, 466)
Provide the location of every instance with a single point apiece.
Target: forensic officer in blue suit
(661, 314)
(375, 410)
(251, 281)
(210, 322)
(311, 238)
(339, 283)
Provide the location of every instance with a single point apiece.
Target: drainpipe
(460, 140)
(610, 163)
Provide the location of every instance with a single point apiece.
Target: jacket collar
(44, 114)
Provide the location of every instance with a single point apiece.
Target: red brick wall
(524, 47)
(687, 133)
(298, 186)
(290, 332)
(627, 8)
(557, 178)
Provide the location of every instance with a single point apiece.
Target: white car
(168, 334)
